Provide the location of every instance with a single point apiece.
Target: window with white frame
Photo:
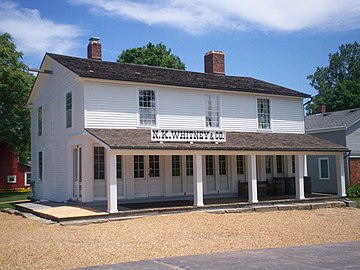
(27, 181)
(40, 166)
(11, 179)
(240, 164)
(68, 107)
(324, 170)
(139, 167)
(147, 108)
(212, 111)
(40, 117)
(154, 163)
(263, 110)
(99, 163)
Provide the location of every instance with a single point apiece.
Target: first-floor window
(27, 181)
(209, 165)
(176, 166)
(268, 164)
(324, 173)
(139, 167)
(154, 163)
(189, 165)
(240, 164)
(118, 167)
(99, 163)
(40, 166)
(279, 164)
(222, 165)
(11, 179)
(293, 163)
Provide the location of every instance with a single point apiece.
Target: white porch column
(251, 178)
(111, 182)
(289, 171)
(299, 177)
(341, 190)
(263, 168)
(305, 166)
(168, 175)
(198, 181)
(87, 171)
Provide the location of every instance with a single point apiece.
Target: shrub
(354, 191)
(24, 189)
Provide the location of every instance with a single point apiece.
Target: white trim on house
(11, 179)
(319, 168)
(26, 178)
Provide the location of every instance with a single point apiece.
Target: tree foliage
(152, 55)
(15, 87)
(338, 84)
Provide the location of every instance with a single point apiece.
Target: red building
(13, 174)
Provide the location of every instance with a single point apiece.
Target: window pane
(222, 165)
(147, 108)
(324, 168)
(118, 167)
(209, 165)
(68, 110)
(240, 164)
(279, 164)
(263, 106)
(154, 169)
(139, 167)
(176, 166)
(212, 110)
(189, 166)
(99, 163)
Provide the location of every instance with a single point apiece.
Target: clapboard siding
(51, 96)
(287, 115)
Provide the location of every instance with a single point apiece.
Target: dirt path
(27, 244)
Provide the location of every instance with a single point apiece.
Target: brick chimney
(94, 49)
(322, 109)
(214, 62)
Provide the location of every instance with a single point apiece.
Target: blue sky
(279, 41)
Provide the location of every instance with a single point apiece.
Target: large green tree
(152, 55)
(15, 87)
(338, 84)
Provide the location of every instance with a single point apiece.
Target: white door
(177, 176)
(76, 173)
(223, 183)
(189, 175)
(210, 174)
(147, 179)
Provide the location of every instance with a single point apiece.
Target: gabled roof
(331, 120)
(238, 141)
(89, 68)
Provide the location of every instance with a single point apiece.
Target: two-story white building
(123, 132)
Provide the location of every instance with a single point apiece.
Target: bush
(24, 189)
(354, 191)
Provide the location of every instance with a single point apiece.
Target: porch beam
(341, 190)
(111, 182)
(251, 178)
(198, 182)
(299, 177)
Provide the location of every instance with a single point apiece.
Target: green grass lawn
(12, 196)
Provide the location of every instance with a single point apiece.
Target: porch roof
(237, 141)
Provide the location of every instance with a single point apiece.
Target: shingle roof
(240, 141)
(338, 119)
(165, 76)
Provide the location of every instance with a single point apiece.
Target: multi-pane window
(40, 117)
(263, 109)
(209, 165)
(189, 165)
(27, 178)
(99, 163)
(139, 167)
(147, 108)
(293, 163)
(40, 166)
(240, 164)
(118, 167)
(68, 110)
(222, 165)
(176, 165)
(279, 164)
(324, 173)
(11, 179)
(154, 163)
(212, 110)
(268, 161)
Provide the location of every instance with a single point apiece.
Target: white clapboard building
(115, 132)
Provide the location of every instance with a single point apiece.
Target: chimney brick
(94, 48)
(214, 62)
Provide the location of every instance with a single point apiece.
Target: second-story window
(212, 111)
(263, 110)
(40, 117)
(147, 108)
(68, 110)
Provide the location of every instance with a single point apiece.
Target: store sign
(170, 135)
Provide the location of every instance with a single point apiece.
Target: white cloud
(35, 35)
(199, 16)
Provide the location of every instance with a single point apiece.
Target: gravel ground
(27, 244)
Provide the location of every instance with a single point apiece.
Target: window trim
(26, 178)
(205, 110)
(240, 160)
(154, 169)
(270, 115)
(328, 168)
(143, 169)
(66, 110)
(156, 107)
(97, 171)
(281, 159)
(11, 181)
(40, 121)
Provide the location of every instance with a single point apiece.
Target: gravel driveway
(27, 244)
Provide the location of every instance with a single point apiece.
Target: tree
(151, 55)
(338, 84)
(15, 87)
